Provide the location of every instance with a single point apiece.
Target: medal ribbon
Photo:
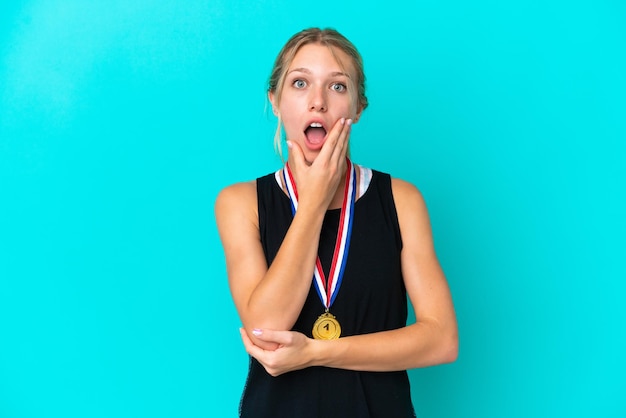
(328, 289)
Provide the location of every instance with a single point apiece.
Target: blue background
(121, 120)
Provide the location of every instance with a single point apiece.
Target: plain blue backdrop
(121, 120)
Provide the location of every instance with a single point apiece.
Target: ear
(272, 97)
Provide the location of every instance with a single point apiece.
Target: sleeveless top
(372, 298)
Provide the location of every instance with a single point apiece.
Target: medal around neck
(327, 327)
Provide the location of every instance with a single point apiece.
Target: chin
(309, 159)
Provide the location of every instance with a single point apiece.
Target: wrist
(312, 215)
(324, 352)
(317, 350)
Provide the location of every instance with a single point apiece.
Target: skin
(269, 298)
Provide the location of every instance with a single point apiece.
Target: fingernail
(289, 144)
(349, 122)
(343, 120)
(257, 332)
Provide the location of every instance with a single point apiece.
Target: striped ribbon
(328, 289)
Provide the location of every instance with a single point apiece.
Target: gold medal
(326, 327)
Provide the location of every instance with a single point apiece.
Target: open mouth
(315, 133)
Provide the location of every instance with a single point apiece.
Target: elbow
(450, 348)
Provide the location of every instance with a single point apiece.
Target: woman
(321, 255)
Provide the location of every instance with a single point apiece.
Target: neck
(337, 200)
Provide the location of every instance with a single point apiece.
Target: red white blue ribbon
(328, 289)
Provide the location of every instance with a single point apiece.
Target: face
(315, 96)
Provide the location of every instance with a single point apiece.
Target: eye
(339, 87)
(299, 84)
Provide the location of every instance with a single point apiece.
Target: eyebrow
(307, 71)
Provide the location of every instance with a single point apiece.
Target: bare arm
(265, 297)
(433, 339)
(272, 297)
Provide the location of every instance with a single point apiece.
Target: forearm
(279, 296)
(422, 344)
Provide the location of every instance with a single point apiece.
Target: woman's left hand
(293, 352)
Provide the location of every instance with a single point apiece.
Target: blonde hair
(330, 38)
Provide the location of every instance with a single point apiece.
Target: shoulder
(405, 193)
(236, 198)
(237, 191)
(410, 207)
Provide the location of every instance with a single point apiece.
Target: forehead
(322, 58)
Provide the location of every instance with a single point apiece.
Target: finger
(296, 160)
(331, 142)
(271, 336)
(341, 148)
(294, 149)
(296, 154)
(257, 342)
(248, 344)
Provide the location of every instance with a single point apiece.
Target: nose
(318, 100)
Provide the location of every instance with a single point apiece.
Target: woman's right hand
(317, 182)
